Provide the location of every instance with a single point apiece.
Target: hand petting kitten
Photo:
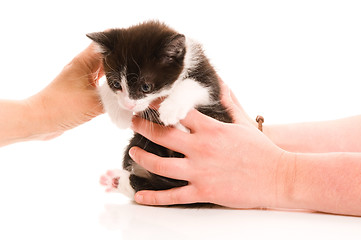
(68, 101)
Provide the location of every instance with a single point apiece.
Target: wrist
(40, 118)
(20, 121)
(285, 175)
(13, 121)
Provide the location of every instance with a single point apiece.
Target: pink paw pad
(110, 180)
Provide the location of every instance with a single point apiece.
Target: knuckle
(218, 130)
(203, 195)
(154, 200)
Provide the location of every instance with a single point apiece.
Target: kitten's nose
(129, 105)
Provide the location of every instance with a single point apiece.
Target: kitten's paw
(121, 118)
(117, 181)
(111, 180)
(171, 113)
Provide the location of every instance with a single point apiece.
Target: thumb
(230, 101)
(89, 63)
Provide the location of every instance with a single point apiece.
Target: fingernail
(132, 152)
(139, 198)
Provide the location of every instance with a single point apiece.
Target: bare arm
(69, 100)
(14, 117)
(340, 135)
(326, 182)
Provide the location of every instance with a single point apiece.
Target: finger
(168, 137)
(228, 93)
(93, 60)
(230, 101)
(96, 76)
(234, 99)
(176, 168)
(89, 58)
(196, 120)
(181, 195)
(227, 101)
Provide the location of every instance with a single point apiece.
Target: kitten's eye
(117, 85)
(146, 88)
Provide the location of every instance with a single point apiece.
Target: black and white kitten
(144, 63)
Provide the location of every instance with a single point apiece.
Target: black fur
(153, 54)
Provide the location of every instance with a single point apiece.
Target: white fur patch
(185, 95)
(124, 184)
(99, 49)
(120, 116)
(179, 126)
(191, 58)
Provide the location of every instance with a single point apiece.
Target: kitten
(144, 63)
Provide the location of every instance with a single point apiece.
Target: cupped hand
(71, 98)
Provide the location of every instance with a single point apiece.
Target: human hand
(230, 101)
(71, 98)
(232, 165)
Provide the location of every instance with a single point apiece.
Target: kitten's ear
(176, 47)
(103, 41)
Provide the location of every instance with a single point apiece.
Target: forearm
(21, 121)
(330, 136)
(13, 121)
(329, 182)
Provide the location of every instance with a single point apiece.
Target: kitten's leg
(120, 117)
(118, 181)
(186, 95)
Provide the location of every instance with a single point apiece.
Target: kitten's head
(141, 63)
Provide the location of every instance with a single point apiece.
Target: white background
(290, 61)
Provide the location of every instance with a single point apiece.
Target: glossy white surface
(287, 60)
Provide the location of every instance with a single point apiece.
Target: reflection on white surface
(140, 222)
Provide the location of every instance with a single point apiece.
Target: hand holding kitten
(235, 165)
(249, 177)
